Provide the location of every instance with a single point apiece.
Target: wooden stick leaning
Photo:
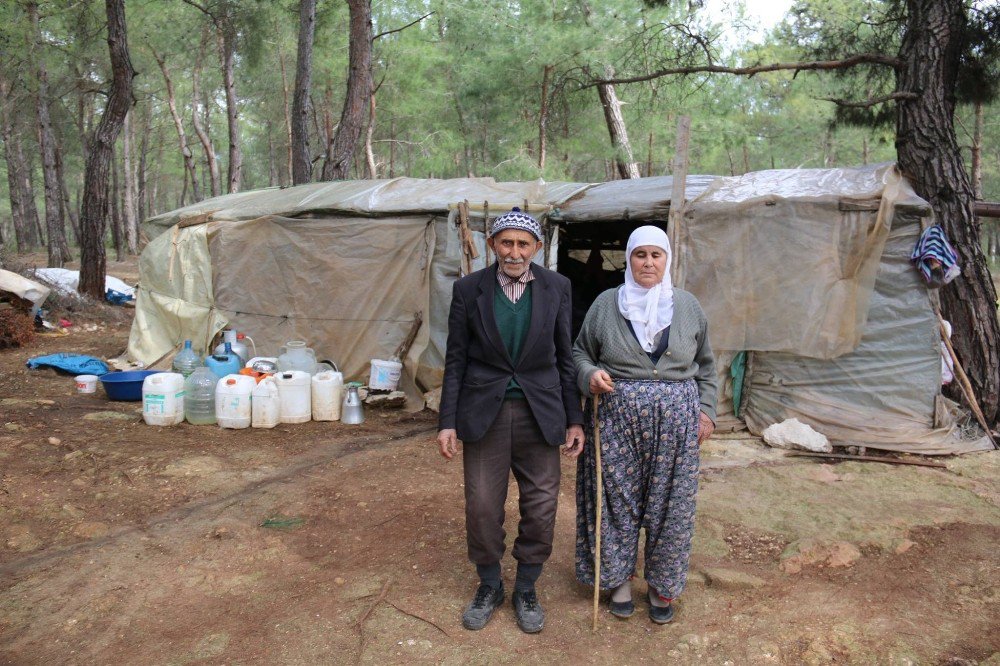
(600, 503)
(963, 381)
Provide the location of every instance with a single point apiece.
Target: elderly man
(510, 395)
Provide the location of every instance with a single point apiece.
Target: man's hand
(448, 442)
(705, 427)
(574, 441)
(600, 382)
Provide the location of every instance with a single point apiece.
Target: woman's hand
(600, 382)
(705, 427)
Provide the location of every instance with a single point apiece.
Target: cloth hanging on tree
(935, 258)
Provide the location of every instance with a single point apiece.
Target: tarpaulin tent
(805, 270)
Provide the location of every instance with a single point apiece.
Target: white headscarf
(649, 310)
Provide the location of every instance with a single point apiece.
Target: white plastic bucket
(232, 401)
(86, 383)
(163, 399)
(294, 392)
(385, 375)
(327, 388)
(266, 405)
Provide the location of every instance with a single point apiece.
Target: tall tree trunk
(928, 154)
(272, 168)
(26, 184)
(977, 152)
(359, 84)
(369, 132)
(625, 162)
(186, 154)
(129, 223)
(649, 156)
(227, 51)
(288, 115)
(543, 117)
(69, 210)
(93, 262)
(199, 128)
(15, 179)
(301, 155)
(117, 230)
(392, 148)
(140, 194)
(46, 142)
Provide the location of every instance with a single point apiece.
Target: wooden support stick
(844, 456)
(600, 502)
(963, 381)
(675, 218)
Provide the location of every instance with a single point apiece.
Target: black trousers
(513, 443)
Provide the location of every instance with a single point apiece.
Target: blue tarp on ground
(77, 364)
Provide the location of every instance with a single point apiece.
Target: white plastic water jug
(327, 390)
(294, 393)
(266, 406)
(163, 399)
(232, 401)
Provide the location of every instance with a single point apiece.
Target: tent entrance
(592, 256)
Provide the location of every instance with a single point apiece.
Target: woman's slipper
(661, 614)
(622, 609)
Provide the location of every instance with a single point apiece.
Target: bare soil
(325, 543)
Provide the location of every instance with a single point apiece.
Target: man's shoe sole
(489, 617)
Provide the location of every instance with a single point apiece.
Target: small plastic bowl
(126, 386)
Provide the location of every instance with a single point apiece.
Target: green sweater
(605, 342)
(513, 320)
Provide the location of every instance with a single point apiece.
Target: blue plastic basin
(125, 385)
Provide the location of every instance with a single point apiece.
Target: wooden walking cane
(600, 503)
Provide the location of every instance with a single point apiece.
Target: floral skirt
(649, 456)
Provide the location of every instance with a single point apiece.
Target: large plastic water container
(266, 405)
(294, 392)
(327, 390)
(232, 401)
(187, 360)
(199, 397)
(163, 399)
(227, 363)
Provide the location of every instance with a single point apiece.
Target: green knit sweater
(513, 320)
(605, 342)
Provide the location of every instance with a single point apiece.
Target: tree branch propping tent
(93, 217)
(926, 68)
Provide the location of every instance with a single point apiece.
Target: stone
(108, 416)
(729, 579)
(91, 530)
(904, 546)
(13, 427)
(432, 400)
(808, 552)
(54, 441)
(793, 434)
(843, 554)
(394, 400)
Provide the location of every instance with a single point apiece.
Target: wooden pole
(600, 502)
(963, 381)
(679, 181)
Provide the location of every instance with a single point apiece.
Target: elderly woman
(644, 350)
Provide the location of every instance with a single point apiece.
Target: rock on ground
(793, 434)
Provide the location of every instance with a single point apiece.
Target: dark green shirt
(513, 320)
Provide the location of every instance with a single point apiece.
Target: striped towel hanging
(935, 258)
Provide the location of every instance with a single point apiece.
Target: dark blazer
(478, 368)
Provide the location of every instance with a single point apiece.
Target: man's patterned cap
(515, 219)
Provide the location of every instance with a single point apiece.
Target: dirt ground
(326, 543)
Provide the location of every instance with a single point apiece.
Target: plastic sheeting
(883, 394)
(22, 287)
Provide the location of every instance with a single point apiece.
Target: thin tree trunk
(93, 262)
(928, 154)
(746, 159)
(392, 148)
(69, 210)
(131, 228)
(227, 52)
(359, 84)
(117, 230)
(141, 178)
(864, 151)
(543, 117)
(290, 143)
(46, 142)
(977, 152)
(369, 153)
(15, 179)
(186, 154)
(272, 168)
(624, 160)
(301, 155)
(26, 171)
(202, 129)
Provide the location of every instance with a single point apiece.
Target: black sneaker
(529, 613)
(479, 612)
